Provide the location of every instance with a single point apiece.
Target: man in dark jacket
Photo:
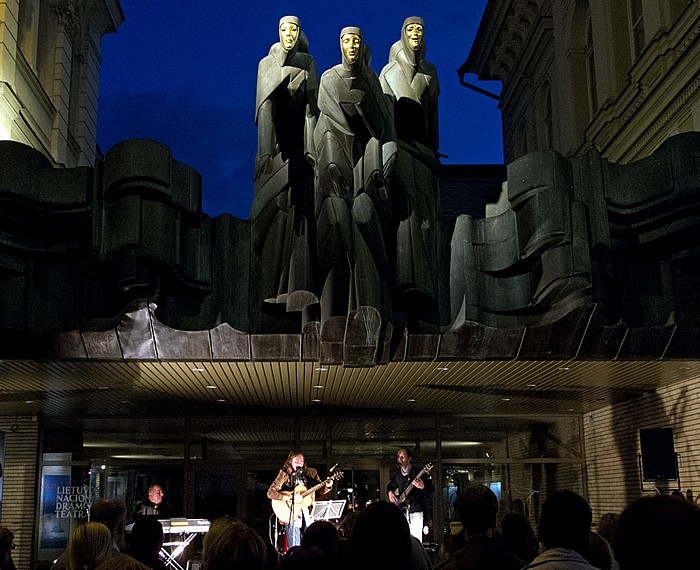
(410, 488)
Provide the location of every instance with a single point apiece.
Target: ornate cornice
(663, 121)
(67, 13)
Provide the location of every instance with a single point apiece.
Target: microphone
(333, 468)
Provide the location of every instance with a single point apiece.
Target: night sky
(183, 73)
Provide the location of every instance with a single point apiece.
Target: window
(28, 29)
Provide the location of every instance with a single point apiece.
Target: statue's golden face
(350, 44)
(414, 35)
(289, 32)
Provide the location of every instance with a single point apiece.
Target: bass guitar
(290, 508)
(402, 496)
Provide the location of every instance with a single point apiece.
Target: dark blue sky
(183, 73)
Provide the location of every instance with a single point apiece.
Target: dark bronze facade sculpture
(577, 258)
(282, 217)
(354, 138)
(412, 84)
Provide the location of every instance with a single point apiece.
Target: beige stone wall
(605, 92)
(611, 438)
(49, 75)
(19, 484)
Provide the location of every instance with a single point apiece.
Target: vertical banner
(54, 530)
(62, 503)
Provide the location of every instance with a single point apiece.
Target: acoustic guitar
(402, 496)
(288, 509)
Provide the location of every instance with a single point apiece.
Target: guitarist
(295, 473)
(418, 495)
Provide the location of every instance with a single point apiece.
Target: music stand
(327, 510)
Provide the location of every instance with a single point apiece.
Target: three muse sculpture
(345, 204)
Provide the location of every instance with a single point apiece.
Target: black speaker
(658, 454)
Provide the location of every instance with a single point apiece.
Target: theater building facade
(554, 345)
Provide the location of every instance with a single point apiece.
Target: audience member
(231, 544)
(606, 526)
(477, 507)
(323, 535)
(89, 546)
(657, 532)
(519, 537)
(300, 558)
(597, 551)
(380, 539)
(7, 545)
(145, 542)
(112, 514)
(563, 531)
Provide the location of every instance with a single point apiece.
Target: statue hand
(340, 188)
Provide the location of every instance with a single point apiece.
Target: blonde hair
(90, 545)
(231, 544)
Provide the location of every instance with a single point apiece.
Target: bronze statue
(412, 84)
(355, 149)
(283, 232)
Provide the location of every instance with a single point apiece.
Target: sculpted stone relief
(345, 206)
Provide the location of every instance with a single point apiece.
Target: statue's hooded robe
(412, 84)
(353, 216)
(282, 212)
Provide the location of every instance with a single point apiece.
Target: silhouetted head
(6, 541)
(380, 539)
(606, 525)
(477, 507)
(597, 551)
(518, 536)
(109, 512)
(323, 535)
(231, 544)
(565, 521)
(89, 545)
(657, 532)
(146, 535)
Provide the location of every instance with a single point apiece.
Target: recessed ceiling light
(211, 387)
(442, 368)
(221, 400)
(532, 385)
(315, 401)
(320, 369)
(318, 387)
(411, 400)
(505, 399)
(29, 401)
(198, 370)
(564, 368)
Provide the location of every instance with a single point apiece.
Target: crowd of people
(652, 532)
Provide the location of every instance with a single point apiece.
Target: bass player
(294, 478)
(414, 486)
